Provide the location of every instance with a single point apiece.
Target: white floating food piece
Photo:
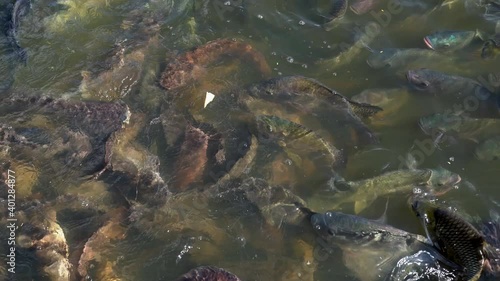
(208, 98)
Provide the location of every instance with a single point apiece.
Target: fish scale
(460, 241)
(339, 8)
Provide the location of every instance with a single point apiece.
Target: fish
(364, 192)
(92, 256)
(491, 47)
(40, 232)
(390, 100)
(337, 12)
(307, 97)
(398, 58)
(192, 158)
(456, 238)
(436, 82)
(451, 88)
(491, 233)
(450, 40)
(365, 244)
(353, 52)
(474, 129)
(361, 7)
(208, 273)
(290, 88)
(20, 10)
(492, 12)
(192, 65)
(488, 150)
(294, 138)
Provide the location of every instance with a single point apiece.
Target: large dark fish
(337, 12)
(457, 239)
(308, 97)
(366, 244)
(453, 89)
(296, 138)
(20, 9)
(208, 273)
(292, 88)
(475, 129)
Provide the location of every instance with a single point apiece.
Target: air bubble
(227, 3)
(302, 22)
(260, 16)
(289, 59)
(304, 65)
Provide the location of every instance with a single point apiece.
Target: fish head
(488, 150)
(447, 40)
(430, 81)
(443, 180)
(422, 79)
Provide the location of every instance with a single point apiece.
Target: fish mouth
(416, 81)
(427, 42)
(450, 184)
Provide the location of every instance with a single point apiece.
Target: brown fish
(191, 65)
(192, 158)
(456, 238)
(99, 242)
(208, 273)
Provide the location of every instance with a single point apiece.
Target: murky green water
(65, 43)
